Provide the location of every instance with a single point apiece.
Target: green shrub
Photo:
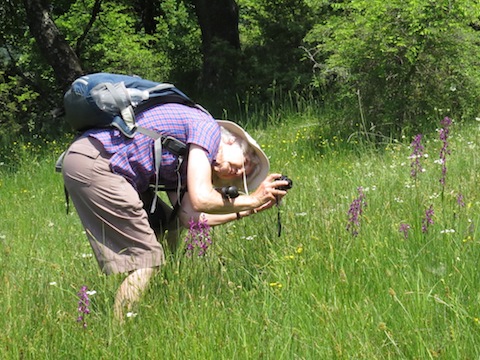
(396, 65)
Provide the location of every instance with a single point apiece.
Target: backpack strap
(126, 109)
(164, 99)
(173, 145)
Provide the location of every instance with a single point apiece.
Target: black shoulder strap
(173, 145)
(163, 99)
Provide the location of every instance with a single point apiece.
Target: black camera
(285, 187)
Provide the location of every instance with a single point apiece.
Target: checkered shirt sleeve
(134, 158)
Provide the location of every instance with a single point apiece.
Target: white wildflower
(447, 231)
(301, 214)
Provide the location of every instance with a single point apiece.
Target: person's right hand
(268, 194)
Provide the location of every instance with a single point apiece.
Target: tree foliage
(105, 36)
(398, 61)
(272, 34)
(391, 63)
(116, 42)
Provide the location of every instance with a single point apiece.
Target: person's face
(230, 163)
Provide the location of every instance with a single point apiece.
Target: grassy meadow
(372, 262)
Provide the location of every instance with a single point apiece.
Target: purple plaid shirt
(134, 158)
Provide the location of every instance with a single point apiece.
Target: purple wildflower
(444, 131)
(460, 201)
(428, 219)
(198, 237)
(404, 229)
(355, 211)
(83, 304)
(416, 155)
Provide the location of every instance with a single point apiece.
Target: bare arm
(187, 213)
(204, 198)
(203, 201)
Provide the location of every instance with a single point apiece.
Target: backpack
(103, 100)
(106, 100)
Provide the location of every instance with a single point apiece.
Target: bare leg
(130, 291)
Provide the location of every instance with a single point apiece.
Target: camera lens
(285, 187)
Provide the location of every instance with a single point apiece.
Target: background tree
(398, 63)
(27, 84)
(272, 38)
(218, 20)
(98, 36)
(51, 43)
(149, 11)
(388, 65)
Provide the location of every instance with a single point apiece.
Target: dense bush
(115, 43)
(272, 35)
(378, 66)
(118, 43)
(395, 65)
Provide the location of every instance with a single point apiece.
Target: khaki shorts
(110, 209)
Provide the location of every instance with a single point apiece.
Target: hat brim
(263, 168)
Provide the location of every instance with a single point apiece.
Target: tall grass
(315, 292)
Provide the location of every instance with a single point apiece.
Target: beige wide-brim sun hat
(261, 171)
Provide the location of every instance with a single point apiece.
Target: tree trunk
(218, 20)
(148, 11)
(53, 46)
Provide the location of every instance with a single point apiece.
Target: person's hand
(268, 194)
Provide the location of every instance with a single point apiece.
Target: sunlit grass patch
(316, 291)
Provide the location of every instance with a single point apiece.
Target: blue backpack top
(104, 100)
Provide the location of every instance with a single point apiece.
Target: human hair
(248, 153)
(229, 137)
